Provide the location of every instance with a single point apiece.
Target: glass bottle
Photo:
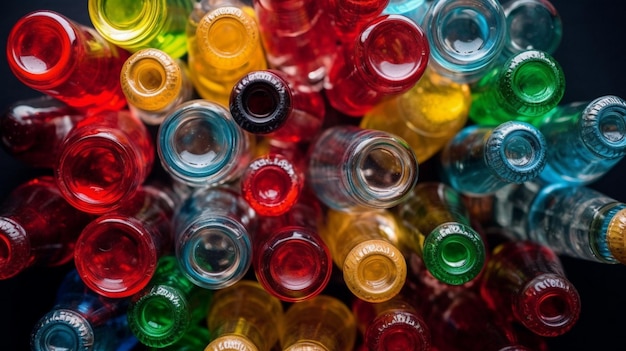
(154, 84)
(276, 105)
(452, 251)
(200, 145)
(320, 323)
(526, 87)
(213, 237)
(290, 259)
(391, 325)
(223, 45)
(168, 307)
(37, 227)
(364, 247)
(387, 58)
(531, 24)
(466, 37)
(349, 17)
(135, 25)
(574, 221)
(413, 9)
(356, 169)
(117, 253)
(426, 116)
(244, 317)
(479, 160)
(527, 280)
(81, 320)
(32, 129)
(297, 37)
(56, 56)
(196, 338)
(103, 161)
(584, 140)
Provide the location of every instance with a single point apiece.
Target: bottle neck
(395, 329)
(62, 329)
(603, 127)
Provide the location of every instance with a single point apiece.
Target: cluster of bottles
(288, 135)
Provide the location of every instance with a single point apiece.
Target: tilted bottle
(364, 247)
(355, 169)
(244, 317)
(426, 116)
(37, 227)
(147, 24)
(103, 161)
(321, 323)
(388, 57)
(116, 254)
(479, 160)
(524, 88)
(531, 24)
(452, 251)
(56, 56)
(213, 231)
(168, 307)
(574, 221)
(466, 37)
(584, 140)
(154, 84)
(32, 129)
(271, 103)
(527, 280)
(223, 45)
(200, 144)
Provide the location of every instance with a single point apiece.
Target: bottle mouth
(62, 329)
(374, 270)
(539, 17)
(454, 253)
(197, 144)
(41, 49)
(603, 126)
(295, 266)
(398, 330)
(215, 252)
(14, 248)
(115, 256)
(231, 342)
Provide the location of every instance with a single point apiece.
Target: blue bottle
(213, 230)
(480, 160)
(413, 9)
(584, 140)
(531, 25)
(83, 320)
(574, 221)
(200, 144)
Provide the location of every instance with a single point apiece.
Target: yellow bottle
(322, 323)
(223, 45)
(364, 246)
(154, 83)
(243, 317)
(426, 116)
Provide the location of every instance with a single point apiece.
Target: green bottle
(162, 313)
(524, 88)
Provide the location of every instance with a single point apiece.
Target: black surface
(592, 56)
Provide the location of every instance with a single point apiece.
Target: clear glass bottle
(356, 169)
(531, 24)
(200, 144)
(524, 88)
(584, 140)
(154, 84)
(135, 25)
(480, 160)
(466, 37)
(213, 237)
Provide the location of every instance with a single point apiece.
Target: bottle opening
(158, 317)
(61, 338)
(532, 25)
(403, 337)
(260, 101)
(150, 76)
(553, 309)
(455, 254)
(228, 36)
(295, 265)
(215, 253)
(465, 32)
(199, 143)
(62, 329)
(520, 150)
(612, 125)
(536, 81)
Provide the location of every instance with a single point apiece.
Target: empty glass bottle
(531, 24)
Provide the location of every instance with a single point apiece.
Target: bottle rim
(603, 126)
(65, 325)
(15, 248)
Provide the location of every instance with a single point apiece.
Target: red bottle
(387, 58)
(348, 17)
(37, 227)
(103, 161)
(71, 62)
(116, 254)
(32, 130)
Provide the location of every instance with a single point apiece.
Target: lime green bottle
(524, 88)
(135, 25)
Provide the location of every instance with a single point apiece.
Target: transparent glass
(531, 24)
(348, 17)
(480, 160)
(585, 140)
(356, 169)
(413, 9)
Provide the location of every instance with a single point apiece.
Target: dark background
(592, 57)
